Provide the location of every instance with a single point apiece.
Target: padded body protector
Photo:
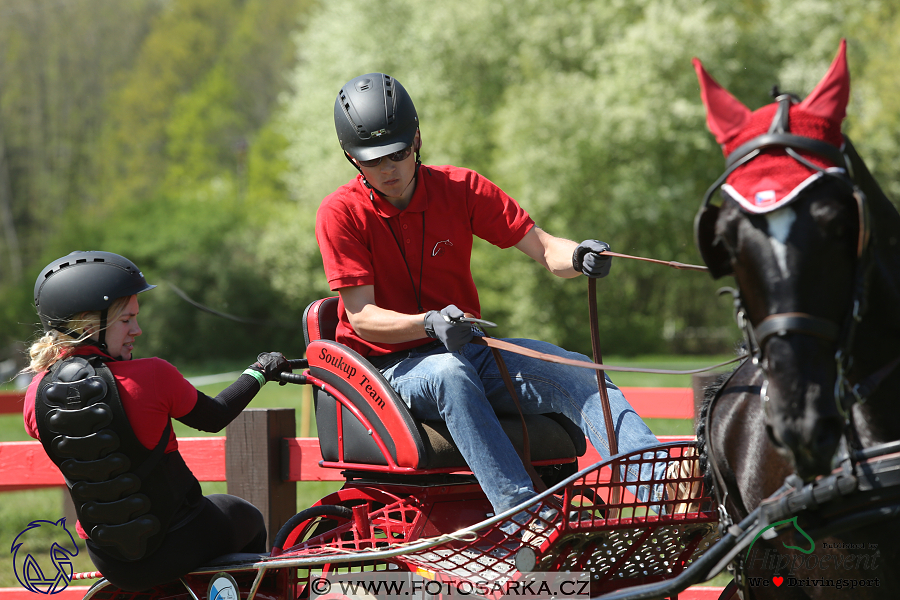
(126, 496)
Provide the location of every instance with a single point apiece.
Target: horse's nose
(814, 447)
(825, 437)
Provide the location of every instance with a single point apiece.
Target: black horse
(814, 247)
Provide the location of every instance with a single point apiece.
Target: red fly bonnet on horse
(775, 152)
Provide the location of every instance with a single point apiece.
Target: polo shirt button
(406, 227)
(407, 240)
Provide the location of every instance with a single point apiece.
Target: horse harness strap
(796, 322)
(864, 488)
(720, 488)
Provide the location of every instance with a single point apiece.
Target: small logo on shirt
(439, 247)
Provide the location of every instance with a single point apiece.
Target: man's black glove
(589, 259)
(444, 326)
(271, 365)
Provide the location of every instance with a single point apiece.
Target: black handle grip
(293, 378)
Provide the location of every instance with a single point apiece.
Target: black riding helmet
(84, 281)
(374, 116)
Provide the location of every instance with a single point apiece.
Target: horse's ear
(829, 99)
(725, 114)
(713, 252)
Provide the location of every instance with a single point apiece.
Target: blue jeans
(466, 391)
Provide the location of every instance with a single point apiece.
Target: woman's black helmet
(84, 281)
(374, 116)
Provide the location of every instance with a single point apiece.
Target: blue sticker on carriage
(223, 587)
(35, 571)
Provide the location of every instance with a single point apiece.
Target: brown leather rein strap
(611, 438)
(497, 345)
(601, 376)
(503, 345)
(525, 451)
(668, 263)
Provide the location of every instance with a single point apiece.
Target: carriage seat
(363, 425)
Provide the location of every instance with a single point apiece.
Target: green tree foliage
(153, 128)
(197, 158)
(183, 164)
(589, 114)
(58, 62)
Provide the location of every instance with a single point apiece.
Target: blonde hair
(55, 345)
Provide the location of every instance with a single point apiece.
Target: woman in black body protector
(105, 421)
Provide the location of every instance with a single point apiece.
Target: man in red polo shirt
(396, 242)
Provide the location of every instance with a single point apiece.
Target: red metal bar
(24, 465)
(654, 403)
(356, 412)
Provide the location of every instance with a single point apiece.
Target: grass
(18, 509)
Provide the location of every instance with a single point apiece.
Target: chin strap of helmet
(372, 189)
(99, 343)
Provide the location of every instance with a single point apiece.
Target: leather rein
(496, 345)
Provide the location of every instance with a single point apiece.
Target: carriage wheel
(308, 524)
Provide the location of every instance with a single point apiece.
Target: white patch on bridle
(780, 223)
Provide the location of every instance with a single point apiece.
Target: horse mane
(709, 394)
(884, 211)
(884, 221)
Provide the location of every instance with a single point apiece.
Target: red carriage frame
(409, 503)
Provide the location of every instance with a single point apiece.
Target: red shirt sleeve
(28, 409)
(152, 391)
(343, 233)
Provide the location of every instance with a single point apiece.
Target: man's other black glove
(589, 259)
(271, 365)
(444, 326)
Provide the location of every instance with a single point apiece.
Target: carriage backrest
(320, 320)
(343, 438)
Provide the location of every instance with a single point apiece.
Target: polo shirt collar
(384, 209)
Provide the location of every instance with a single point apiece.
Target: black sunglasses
(395, 157)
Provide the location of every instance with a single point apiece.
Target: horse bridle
(780, 324)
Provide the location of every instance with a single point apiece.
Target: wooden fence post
(253, 463)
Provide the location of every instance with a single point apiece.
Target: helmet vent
(389, 99)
